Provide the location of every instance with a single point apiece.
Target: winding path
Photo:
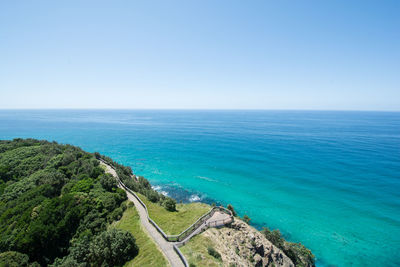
(167, 248)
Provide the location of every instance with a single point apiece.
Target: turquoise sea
(328, 179)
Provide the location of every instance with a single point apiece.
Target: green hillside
(55, 207)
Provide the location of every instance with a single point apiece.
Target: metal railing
(184, 234)
(178, 251)
(217, 223)
(138, 198)
(188, 231)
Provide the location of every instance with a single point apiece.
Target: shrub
(78, 256)
(170, 204)
(108, 182)
(211, 251)
(246, 219)
(298, 253)
(83, 185)
(13, 259)
(5, 173)
(144, 182)
(131, 184)
(113, 247)
(274, 236)
(230, 207)
(116, 214)
(153, 196)
(97, 155)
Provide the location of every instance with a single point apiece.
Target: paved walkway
(167, 248)
(218, 219)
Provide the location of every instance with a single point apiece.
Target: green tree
(113, 247)
(153, 196)
(13, 259)
(83, 185)
(170, 204)
(51, 196)
(108, 182)
(5, 174)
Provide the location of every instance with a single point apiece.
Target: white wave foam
(156, 187)
(194, 198)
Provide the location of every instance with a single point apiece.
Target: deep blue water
(330, 180)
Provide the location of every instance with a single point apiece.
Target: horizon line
(203, 109)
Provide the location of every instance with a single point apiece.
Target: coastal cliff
(242, 245)
(238, 244)
(49, 189)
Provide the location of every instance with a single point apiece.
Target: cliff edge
(242, 245)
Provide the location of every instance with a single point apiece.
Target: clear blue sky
(200, 54)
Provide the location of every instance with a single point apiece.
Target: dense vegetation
(55, 205)
(298, 253)
(140, 185)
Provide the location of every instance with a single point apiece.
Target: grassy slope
(174, 223)
(196, 252)
(149, 255)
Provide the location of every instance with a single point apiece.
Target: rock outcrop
(241, 245)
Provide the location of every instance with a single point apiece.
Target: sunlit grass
(149, 255)
(196, 252)
(174, 222)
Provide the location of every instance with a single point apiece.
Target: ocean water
(330, 180)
